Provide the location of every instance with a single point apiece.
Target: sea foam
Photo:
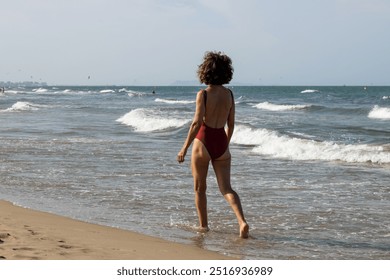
(149, 120)
(22, 106)
(107, 91)
(309, 91)
(39, 90)
(10, 92)
(170, 101)
(272, 144)
(379, 113)
(275, 107)
(132, 93)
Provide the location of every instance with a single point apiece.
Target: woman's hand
(181, 155)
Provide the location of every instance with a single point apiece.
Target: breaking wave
(270, 143)
(379, 113)
(172, 101)
(309, 91)
(22, 106)
(275, 107)
(149, 120)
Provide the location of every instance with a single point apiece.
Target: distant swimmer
(2, 90)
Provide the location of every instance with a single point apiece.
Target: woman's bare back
(218, 106)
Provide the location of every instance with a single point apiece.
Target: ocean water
(311, 165)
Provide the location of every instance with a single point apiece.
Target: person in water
(214, 109)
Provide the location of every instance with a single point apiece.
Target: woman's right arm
(195, 126)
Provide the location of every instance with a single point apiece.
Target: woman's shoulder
(201, 92)
(201, 96)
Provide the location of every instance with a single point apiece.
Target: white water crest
(148, 120)
(22, 106)
(10, 92)
(272, 144)
(309, 91)
(72, 91)
(39, 90)
(275, 107)
(379, 113)
(107, 91)
(132, 93)
(171, 101)
(385, 97)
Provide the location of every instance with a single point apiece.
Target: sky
(152, 42)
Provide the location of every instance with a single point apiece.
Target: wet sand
(27, 234)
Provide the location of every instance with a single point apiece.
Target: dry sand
(27, 234)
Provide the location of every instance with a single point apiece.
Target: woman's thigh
(222, 167)
(200, 160)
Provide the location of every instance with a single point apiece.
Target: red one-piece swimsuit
(214, 139)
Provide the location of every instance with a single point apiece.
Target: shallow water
(311, 166)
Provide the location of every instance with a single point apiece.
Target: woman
(214, 109)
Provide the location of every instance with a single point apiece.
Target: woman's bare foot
(244, 230)
(202, 229)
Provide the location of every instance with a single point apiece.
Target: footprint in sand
(64, 246)
(23, 249)
(4, 235)
(30, 230)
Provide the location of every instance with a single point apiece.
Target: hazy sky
(151, 42)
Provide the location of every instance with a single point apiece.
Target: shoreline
(27, 234)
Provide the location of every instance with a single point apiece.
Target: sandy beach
(27, 234)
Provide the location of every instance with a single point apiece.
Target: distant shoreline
(44, 84)
(23, 84)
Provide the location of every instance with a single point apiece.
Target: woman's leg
(200, 163)
(222, 171)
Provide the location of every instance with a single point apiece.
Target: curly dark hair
(216, 69)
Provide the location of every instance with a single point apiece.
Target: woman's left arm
(231, 120)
